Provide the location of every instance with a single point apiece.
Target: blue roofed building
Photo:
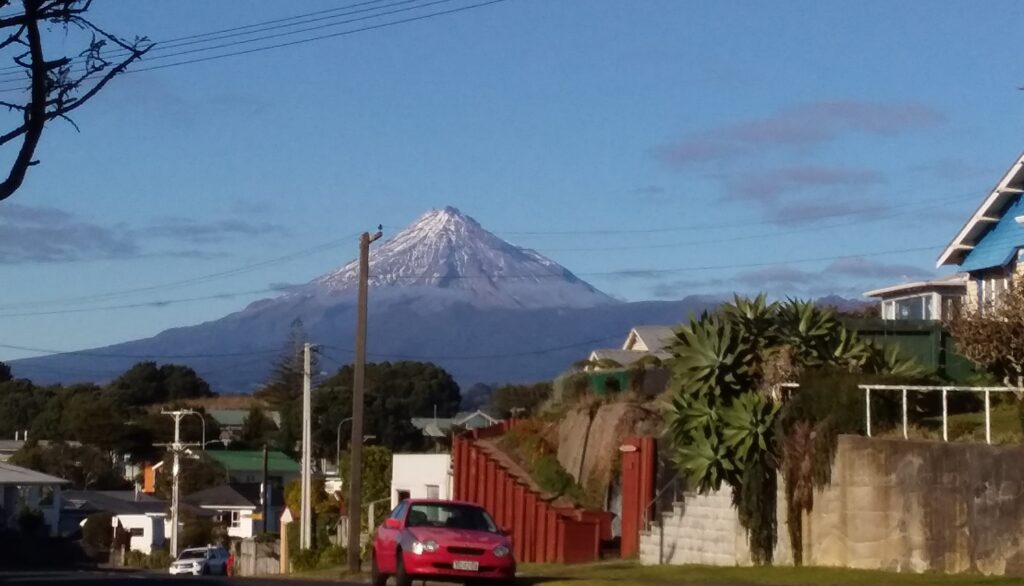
(989, 246)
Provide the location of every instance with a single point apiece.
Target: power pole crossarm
(355, 518)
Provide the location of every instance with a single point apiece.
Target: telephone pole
(306, 518)
(355, 487)
(176, 448)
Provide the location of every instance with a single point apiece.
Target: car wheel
(401, 577)
(376, 577)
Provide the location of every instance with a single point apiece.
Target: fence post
(945, 418)
(867, 406)
(988, 418)
(904, 413)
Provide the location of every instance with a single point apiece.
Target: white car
(201, 561)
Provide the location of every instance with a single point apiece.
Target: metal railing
(945, 390)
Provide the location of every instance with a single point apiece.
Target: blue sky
(666, 134)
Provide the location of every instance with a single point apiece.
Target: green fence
(925, 341)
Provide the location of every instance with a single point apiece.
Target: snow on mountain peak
(448, 254)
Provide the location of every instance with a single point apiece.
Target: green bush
(98, 531)
(305, 560)
(331, 556)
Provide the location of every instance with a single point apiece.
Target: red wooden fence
(542, 531)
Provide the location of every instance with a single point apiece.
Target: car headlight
(422, 547)
(501, 551)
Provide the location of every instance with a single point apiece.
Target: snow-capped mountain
(447, 256)
(443, 290)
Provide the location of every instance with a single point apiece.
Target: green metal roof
(236, 417)
(238, 460)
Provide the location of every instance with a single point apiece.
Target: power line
(535, 277)
(306, 40)
(248, 29)
(323, 37)
(189, 281)
(719, 226)
(95, 354)
(442, 357)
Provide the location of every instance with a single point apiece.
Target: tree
(519, 400)
(197, 473)
(990, 335)
(5, 372)
(56, 87)
(395, 393)
(728, 374)
(146, 383)
(283, 392)
(257, 429)
(85, 467)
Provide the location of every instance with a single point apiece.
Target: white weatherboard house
(140, 514)
(238, 506)
(23, 487)
(933, 300)
(641, 341)
(420, 476)
(988, 248)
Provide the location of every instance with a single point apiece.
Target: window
(450, 515)
(137, 531)
(910, 308)
(399, 511)
(433, 491)
(234, 519)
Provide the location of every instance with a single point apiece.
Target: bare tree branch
(55, 88)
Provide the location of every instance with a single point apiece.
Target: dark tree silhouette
(55, 87)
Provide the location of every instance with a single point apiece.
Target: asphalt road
(144, 579)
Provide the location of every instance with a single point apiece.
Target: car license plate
(466, 566)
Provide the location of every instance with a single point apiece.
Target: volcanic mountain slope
(444, 289)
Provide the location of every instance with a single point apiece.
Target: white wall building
(147, 530)
(421, 476)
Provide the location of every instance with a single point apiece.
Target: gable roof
(441, 426)
(117, 502)
(622, 357)
(244, 460)
(956, 284)
(992, 210)
(236, 417)
(221, 496)
(654, 339)
(17, 476)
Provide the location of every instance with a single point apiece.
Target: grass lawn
(630, 573)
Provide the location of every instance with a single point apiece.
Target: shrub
(31, 522)
(305, 560)
(98, 532)
(332, 555)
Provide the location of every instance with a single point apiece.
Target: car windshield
(193, 554)
(451, 516)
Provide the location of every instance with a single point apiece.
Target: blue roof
(999, 244)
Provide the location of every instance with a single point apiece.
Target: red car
(445, 540)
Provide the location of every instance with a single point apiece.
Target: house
(988, 246)
(420, 476)
(239, 506)
(246, 466)
(21, 487)
(142, 515)
(441, 427)
(231, 421)
(934, 300)
(642, 341)
(9, 447)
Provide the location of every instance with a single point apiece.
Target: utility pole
(265, 491)
(355, 487)
(176, 448)
(306, 517)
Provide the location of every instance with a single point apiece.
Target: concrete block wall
(898, 505)
(703, 529)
